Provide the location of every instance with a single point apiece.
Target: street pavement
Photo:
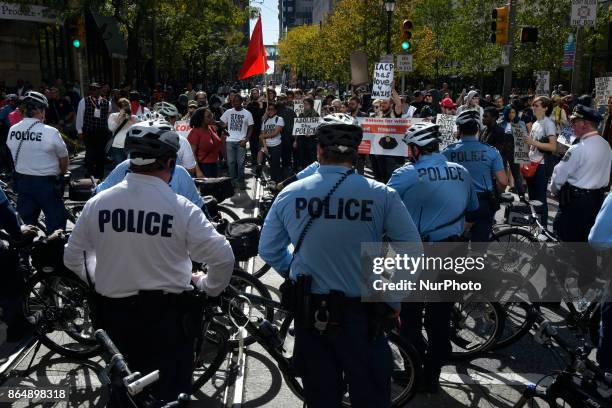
(493, 380)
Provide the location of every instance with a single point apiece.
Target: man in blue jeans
(239, 124)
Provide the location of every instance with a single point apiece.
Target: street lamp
(389, 6)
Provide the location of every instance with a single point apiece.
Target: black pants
(287, 153)
(95, 142)
(254, 146)
(148, 331)
(276, 172)
(307, 148)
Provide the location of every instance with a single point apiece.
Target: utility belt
(59, 182)
(569, 193)
(453, 238)
(490, 199)
(326, 312)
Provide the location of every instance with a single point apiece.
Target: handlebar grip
(106, 342)
(138, 385)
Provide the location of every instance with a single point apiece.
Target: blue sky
(269, 20)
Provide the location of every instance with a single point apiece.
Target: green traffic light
(76, 43)
(405, 45)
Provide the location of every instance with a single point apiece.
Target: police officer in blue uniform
(437, 194)
(484, 163)
(40, 159)
(327, 216)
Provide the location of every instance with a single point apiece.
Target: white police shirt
(41, 148)
(585, 165)
(185, 156)
(140, 235)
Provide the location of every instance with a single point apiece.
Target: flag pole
(263, 58)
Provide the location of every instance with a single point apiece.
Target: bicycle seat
(506, 198)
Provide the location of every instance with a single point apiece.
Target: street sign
(584, 13)
(505, 57)
(386, 58)
(404, 63)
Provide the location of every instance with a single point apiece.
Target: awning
(109, 30)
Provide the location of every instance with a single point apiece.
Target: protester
(510, 117)
(204, 141)
(239, 124)
(271, 134)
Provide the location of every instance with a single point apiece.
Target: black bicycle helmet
(422, 133)
(339, 132)
(146, 142)
(35, 100)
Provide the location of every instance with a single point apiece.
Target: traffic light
(500, 25)
(529, 34)
(406, 36)
(77, 34)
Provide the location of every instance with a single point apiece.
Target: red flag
(255, 61)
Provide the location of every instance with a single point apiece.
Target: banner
(603, 90)
(298, 107)
(182, 127)
(521, 149)
(448, 129)
(584, 13)
(383, 76)
(383, 136)
(305, 126)
(542, 80)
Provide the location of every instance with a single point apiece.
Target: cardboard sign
(584, 13)
(317, 106)
(305, 126)
(383, 76)
(182, 127)
(448, 129)
(384, 136)
(521, 149)
(298, 107)
(542, 80)
(603, 90)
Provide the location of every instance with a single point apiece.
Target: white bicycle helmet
(421, 134)
(339, 132)
(146, 142)
(166, 109)
(35, 100)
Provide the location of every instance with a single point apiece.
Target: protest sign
(521, 149)
(383, 136)
(317, 106)
(448, 128)
(305, 126)
(584, 13)
(182, 127)
(542, 80)
(383, 76)
(298, 107)
(603, 90)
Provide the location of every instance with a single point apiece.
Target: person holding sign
(239, 124)
(510, 117)
(307, 145)
(271, 140)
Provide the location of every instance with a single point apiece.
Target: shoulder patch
(567, 156)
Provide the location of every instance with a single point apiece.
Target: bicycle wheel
(406, 370)
(475, 328)
(513, 234)
(260, 267)
(521, 313)
(210, 351)
(59, 307)
(227, 214)
(247, 283)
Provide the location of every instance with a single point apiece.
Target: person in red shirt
(15, 116)
(204, 141)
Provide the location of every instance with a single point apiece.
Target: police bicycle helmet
(166, 109)
(146, 142)
(468, 116)
(421, 134)
(35, 100)
(339, 132)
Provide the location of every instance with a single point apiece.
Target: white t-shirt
(238, 123)
(41, 149)
(185, 156)
(269, 125)
(113, 123)
(539, 130)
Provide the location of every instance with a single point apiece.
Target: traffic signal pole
(508, 68)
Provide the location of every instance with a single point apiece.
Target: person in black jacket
(494, 135)
(257, 109)
(288, 155)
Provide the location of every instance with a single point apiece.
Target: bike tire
(227, 213)
(465, 325)
(214, 342)
(261, 267)
(405, 377)
(513, 234)
(43, 294)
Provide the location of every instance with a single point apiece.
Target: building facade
(320, 10)
(293, 13)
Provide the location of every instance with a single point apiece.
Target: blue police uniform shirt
(435, 192)
(4, 114)
(181, 183)
(308, 171)
(601, 234)
(3, 197)
(480, 159)
(359, 211)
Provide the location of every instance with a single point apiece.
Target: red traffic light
(407, 25)
(529, 34)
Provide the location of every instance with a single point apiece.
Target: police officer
(186, 158)
(483, 162)
(437, 194)
(40, 159)
(327, 236)
(581, 177)
(142, 236)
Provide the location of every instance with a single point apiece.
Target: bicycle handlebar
(109, 347)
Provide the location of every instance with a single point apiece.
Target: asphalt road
(494, 380)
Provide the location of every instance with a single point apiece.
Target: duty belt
(20, 176)
(577, 191)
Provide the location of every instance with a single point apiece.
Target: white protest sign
(542, 80)
(383, 136)
(383, 76)
(448, 129)
(182, 127)
(317, 106)
(404, 63)
(603, 89)
(305, 126)
(584, 13)
(521, 149)
(298, 107)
